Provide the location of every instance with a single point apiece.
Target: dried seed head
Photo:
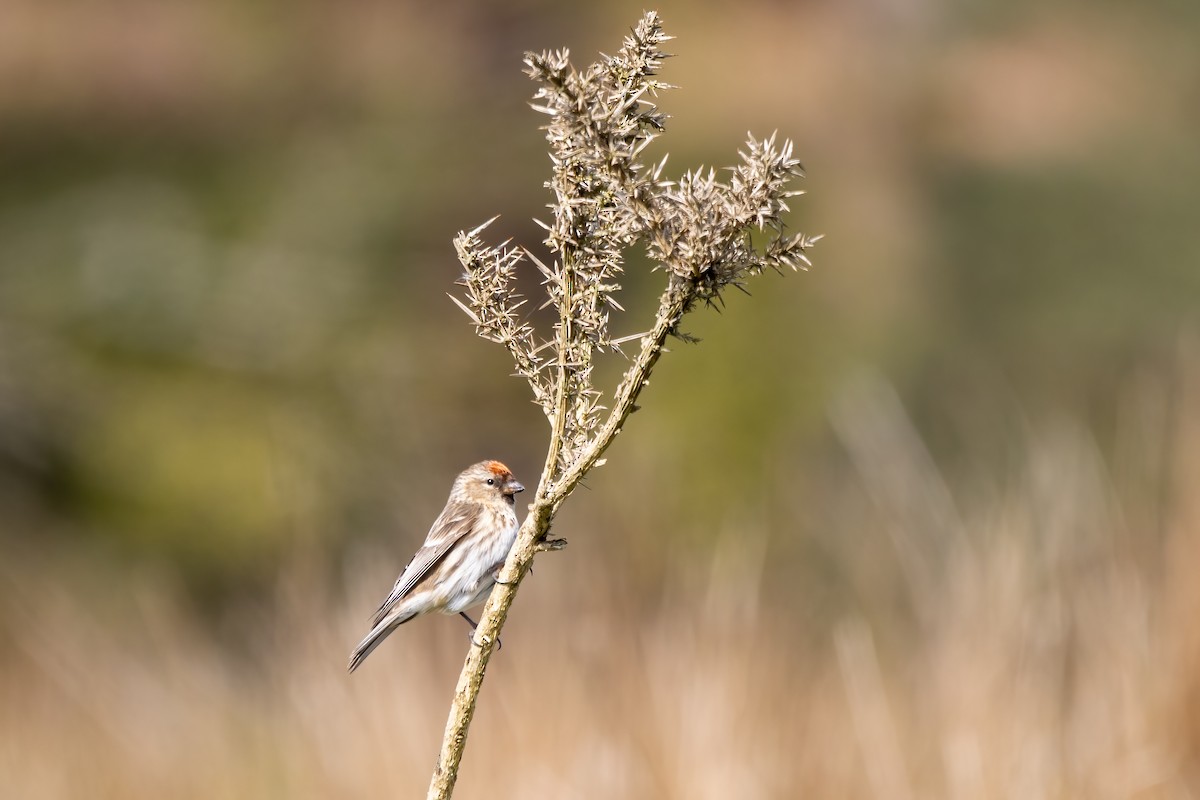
(700, 230)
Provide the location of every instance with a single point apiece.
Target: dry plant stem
(703, 233)
(531, 539)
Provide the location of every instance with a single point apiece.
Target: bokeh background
(923, 521)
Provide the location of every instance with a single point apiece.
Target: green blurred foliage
(225, 242)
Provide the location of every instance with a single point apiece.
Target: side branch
(675, 301)
(558, 422)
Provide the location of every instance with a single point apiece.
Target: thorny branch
(698, 230)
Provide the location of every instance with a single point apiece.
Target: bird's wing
(455, 522)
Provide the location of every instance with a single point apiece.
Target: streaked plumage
(456, 567)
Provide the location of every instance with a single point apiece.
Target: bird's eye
(491, 482)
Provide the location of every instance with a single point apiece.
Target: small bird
(458, 564)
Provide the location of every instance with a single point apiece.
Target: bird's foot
(471, 633)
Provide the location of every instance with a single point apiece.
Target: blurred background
(921, 522)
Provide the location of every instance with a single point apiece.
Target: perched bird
(465, 549)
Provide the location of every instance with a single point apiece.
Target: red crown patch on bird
(498, 469)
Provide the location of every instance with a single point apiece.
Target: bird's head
(487, 482)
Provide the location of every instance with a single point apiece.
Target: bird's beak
(512, 487)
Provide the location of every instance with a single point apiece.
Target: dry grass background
(1043, 644)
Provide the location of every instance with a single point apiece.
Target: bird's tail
(373, 639)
